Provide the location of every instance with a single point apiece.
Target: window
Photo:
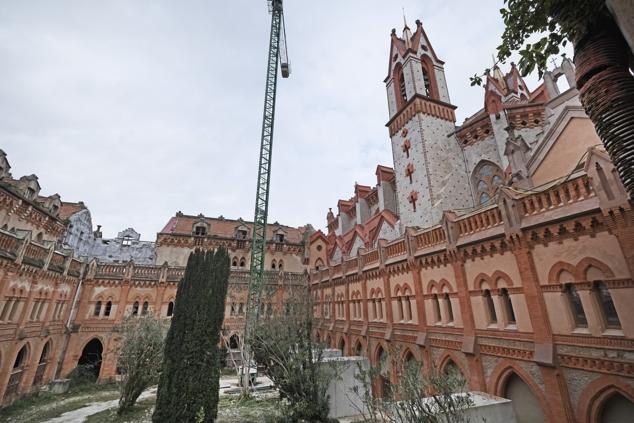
(508, 306)
(273, 264)
(487, 178)
(243, 262)
(97, 308)
(574, 302)
(606, 304)
(200, 230)
(279, 238)
(450, 317)
(108, 309)
(402, 87)
(280, 265)
(427, 82)
(241, 234)
(135, 308)
(436, 308)
(144, 310)
(490, 308)
(234, 262)
(127, 241)
(5, 310)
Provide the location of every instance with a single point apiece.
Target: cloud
(144, 108)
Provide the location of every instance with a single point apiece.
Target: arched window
(135, 308)
(436, 308)
(606, 304)
(170, 309)
(243, 262)
(97, 308)
(234, 262)
(319, 264)
(576, 308)
(280, 265)
(402, 88)
(273, 264)
(489, 306)
(241, 309)
(486, 179)
(108, 309)
(427, 82)
(450, 317)
(145, 308)
(41, 366)
(508, 306)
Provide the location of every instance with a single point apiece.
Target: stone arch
(234, 341)
(398, 78)
(443, 283)
(585, 266)
(358, 346)
(341, 345)
(449, 359)
(480, 279)
(431, 285)
(319, 264)
(428, 68)
(17, 370)
(504, 373)
(595, 396)
(92, 356)
(554, 275)
(497, 275)
(43, 360)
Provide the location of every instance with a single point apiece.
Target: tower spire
(407, 34)
(404, 20)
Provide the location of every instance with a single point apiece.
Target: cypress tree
(189, 382)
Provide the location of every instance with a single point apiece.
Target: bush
(83, 374)
(140, 358)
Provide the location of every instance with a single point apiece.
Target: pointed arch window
(508, 306)
(145, 308)
(487, 177)
(97, 308)
(243, 262)
(489, 306)
(450, 317)
(576, 308)
(108, 309)
(135, 308)
(170, 309)
(234, 262)
(426, 82)
(436, 308)
(608, 310)
(402, 88)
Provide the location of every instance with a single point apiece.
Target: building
(511, 258)
(64, 290)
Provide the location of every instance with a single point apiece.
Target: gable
(358, 243)
(564, 154)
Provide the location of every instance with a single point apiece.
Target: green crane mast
(277, 55)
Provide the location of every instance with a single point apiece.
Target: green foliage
(556, 21)
(282, 344)
(140, 358)
(415, 398)
(189, 383)
(82, 375)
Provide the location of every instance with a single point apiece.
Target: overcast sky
(143, 108)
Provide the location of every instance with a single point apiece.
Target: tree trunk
(606, 90)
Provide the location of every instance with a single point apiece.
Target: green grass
(44, 406)
(39, 408)
(141, 412)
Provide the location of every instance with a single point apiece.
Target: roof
(182, 224)
(68, 209)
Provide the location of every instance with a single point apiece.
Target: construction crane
(277, 56)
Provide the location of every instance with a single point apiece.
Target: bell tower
(428, 161)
